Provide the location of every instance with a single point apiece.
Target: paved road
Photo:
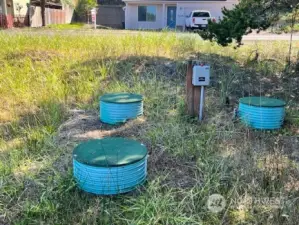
(38, 31)
(270, 37)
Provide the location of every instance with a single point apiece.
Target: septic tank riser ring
(262, 113)
(110, 181)
(110, 165)
(262, 117)
(120, 107)
(112, 113)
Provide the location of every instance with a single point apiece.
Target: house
(19, 13)
(159, 14)
(6, 13)
(14, 13)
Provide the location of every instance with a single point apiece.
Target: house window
(147, 13)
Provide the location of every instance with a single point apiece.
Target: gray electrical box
(201, 75)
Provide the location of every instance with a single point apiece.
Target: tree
(295, 13)
(246, 16)
(84, 6)
(19, 7)
(43, 10)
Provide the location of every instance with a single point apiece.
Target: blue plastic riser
(110, 181)
(113, 113)
(267, 118)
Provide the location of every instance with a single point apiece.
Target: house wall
(2, 9)
(23, 4)
(131, 18)
(2, 13)
(21, 16)
(183, 9)
(6, 14)
(9, 7)
(69, 13)
(35, 16)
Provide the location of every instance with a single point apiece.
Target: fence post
(192, 92)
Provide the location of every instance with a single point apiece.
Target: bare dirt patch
(33, 55)
(84, 125)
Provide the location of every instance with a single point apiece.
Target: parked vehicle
(198, 19)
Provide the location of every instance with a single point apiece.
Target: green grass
(288, 29)
(66, 26)
(284, 24)
(43, 77)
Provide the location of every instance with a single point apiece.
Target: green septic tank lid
(263, 102)
(109, 152)
(121, 98)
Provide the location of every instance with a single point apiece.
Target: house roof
(49, 3)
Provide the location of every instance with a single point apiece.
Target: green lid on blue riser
(121, 98)
(263, 102)
(109, 152)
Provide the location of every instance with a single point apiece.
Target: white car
(198, 19)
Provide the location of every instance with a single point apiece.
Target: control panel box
(201, 75)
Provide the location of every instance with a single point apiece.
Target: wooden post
(189, 90)
(192, 92)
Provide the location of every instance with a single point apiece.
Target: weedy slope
(43, 78)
